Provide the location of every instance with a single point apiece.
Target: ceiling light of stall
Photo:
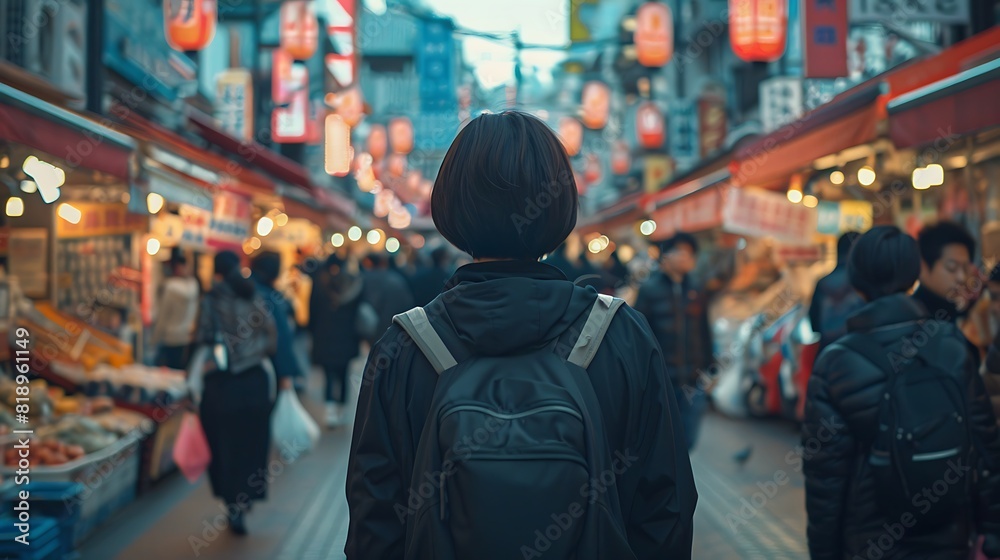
(647, 227)
(4, 162)
(866, 176)
(935, 174)
(281, 220)
(626, 253)
(794, 196)
(920, 179)
(337, 239)
(152, 245)
(255, 243)
(15, 207)
(741, 244)
(595, 246)
(604, 241)
(29, 187)
(70, 213)
(374, 237)
(957, 162)
(837, 177)
(392, 244)
(354, 233)
(810, 201)
(247, 248)
(154, 202)
(264, 226)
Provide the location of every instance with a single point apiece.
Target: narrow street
(740, 515)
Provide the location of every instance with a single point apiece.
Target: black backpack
(513, 461)
(922, 447)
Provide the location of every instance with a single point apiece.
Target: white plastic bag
(293, 430)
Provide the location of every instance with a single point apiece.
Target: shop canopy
(79, 141)
(624, 212)
(853, 117)
(691, 205)
(964, 104)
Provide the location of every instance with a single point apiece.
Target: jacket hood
(504, 306)
(885, 311)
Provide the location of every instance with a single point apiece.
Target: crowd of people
(513, 407)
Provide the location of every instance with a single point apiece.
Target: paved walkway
(306, 516)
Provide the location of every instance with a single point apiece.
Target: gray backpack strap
(594, 330)
(418, 326)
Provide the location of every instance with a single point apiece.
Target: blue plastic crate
(58, 500)
(43, 540)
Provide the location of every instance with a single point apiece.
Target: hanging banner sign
(101, 219)
(691, 214)
(230, 224)
(234, 102)
(835, 218)
(759, 213)
(289, 124)
(195, 224)
(824, 38)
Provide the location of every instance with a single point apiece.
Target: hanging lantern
(190, 24)
(571, 133)
(757, 29)
(401, 135)
(400, 218)
(650, 126)
(377, 143)
(351, 106)
(397, 165)
(299, 29)
(654, 35)
(596, 104)
(338, 146)
(621, 158)
(593, 172)
(384, 202)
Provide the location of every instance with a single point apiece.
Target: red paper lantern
(189, 24)
(377, 142)
(596, 104)
(654, 35)
(621, 158)
(351, 106)
(397, 165)
(757, 29)
(650, 126)
(571, 134)
(401, 135)
(299, 29)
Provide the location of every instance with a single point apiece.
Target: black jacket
(678, 315)
(844, 394)
(333, 311)
(497, 308)
(832, 303)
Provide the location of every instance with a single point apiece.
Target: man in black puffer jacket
(845, 393)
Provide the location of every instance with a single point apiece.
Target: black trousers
(336, 383)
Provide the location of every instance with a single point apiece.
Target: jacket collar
(889, 310)
(936, 305)
(495, 270)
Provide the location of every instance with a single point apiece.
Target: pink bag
(191, 452)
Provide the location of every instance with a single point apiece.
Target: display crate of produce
(43, 541)
(109, 478)
(57, 500)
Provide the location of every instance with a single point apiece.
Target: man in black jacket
(835, 299)
(946, 251)
(678, 314)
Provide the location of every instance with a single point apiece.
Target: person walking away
(333, 311)
(678, 314)
(898, 373)
(386, 290)
(497, 360)
(429, 281)
(265, 269)
(177, 313)
(834, 299)
(237, 332)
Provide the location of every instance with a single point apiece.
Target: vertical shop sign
(659, 171)
(780, 102)
(234, 102)
(230, 223)
(684, 144)
(824, 38)
(290, 90)
(711, 123)
(341, 30)
(435, 66)
(196, 224)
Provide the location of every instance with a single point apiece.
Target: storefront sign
(835, 218)
(289, 120)
(194, 227)
(803, 253)
(230, 224)
(711, 123)
(695, 213)
(659, 171)
(296, 233)
(890, 11)
(170, 230)
(683, 123)
(759, 213)
(101, 219)
(780, 102)
(234, 102)
(824, 37)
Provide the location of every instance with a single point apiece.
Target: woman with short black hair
(506, 195)
(891, 335)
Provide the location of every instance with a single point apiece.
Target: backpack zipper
(502, 416)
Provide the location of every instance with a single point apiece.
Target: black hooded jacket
(841, 415)
(497, 308)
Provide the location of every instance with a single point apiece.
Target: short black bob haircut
(679, 238)
(505, 189)
(884, 261)
(933, 239)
